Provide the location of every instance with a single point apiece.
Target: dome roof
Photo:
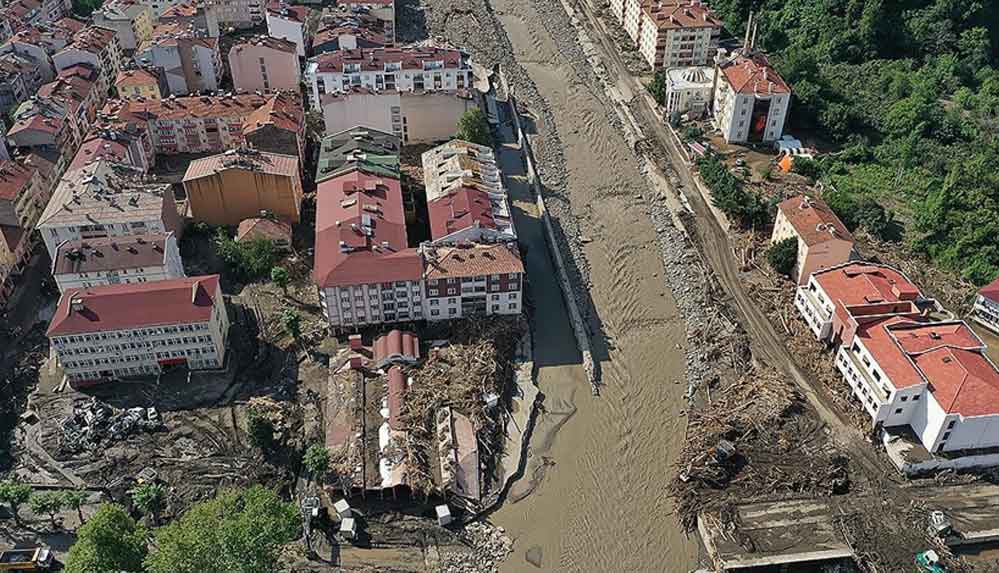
(694, 76)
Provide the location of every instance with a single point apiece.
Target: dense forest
(906, 92)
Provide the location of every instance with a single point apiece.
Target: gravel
(487, 547)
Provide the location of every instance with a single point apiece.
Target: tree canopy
(473, 127)
(239, 531)
(109, 541)
(909, 92)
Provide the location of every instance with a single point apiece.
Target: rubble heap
(489, 546)
(94, 422)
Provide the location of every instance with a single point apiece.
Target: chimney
(355, 341)
(76, 305)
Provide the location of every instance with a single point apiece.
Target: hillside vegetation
(908, 93)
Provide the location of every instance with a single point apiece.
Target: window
(496, 297)
(452, 301)
(915, 398)
(512, 306)
(950, 425)
(434, 312)
(945, 437)
(898, 410)
(452, 311)
(905, 398)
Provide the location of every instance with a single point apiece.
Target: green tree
(473, 127)
(236, 532)
(261, 430)
(149, 498)
(317, 461)
(279, 276)
(75, 499)
(657, 87)
(247, 260)
(49, 502)
(292, 323)
(109, 541)
(783, 256)
(15, 494)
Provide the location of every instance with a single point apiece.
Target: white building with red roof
(678, 33)
(986, 309)
(472, 279)
(837, 301)
(289, 22)
(390, 69)
(96, 46)
(140, 329)
(85, 263)
(751, 100)
(823, 240)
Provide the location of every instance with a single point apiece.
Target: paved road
(768, 347)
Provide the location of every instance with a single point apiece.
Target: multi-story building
(751, 99)
(837, 301)
(472, 279)
(384, 10)
(211, 124)
(678, 33)
(378, 150)
(131, 20)
(110, 145)
(289, 22)
(20, 13)
(197, 14)
(138, 83)
(264, 64)
(341, 29)
(20, 77)
(97, 47)
(688, 90)
(241, 13)
(46, 126)
(76, 87)
(86, 263)
(190, 63)
(119, 331)
(106, 199)
(466, 200)
(416, 117)
(224, 189)
(823, 240)
(24, 193)
(391, 69)
(16, 247)
(986, 309)
(39, 42)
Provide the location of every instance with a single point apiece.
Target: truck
(26, 559)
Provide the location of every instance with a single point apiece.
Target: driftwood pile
(750, 440)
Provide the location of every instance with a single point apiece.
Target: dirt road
(596, 498)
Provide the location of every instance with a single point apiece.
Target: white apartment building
(106, 199)
(129, 259)
(986, 309)
(402, 69)
(288, 22)
(689, 90)
(751, 100)
(472, 279)
(118, 331)
(96, 46)
(678, 33)
(131, 20)
(415, 117)
(191, 63)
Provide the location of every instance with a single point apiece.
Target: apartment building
(986, 308)
(39, 42)
(138, 83)
(823, 240)
(18, 13)
(390, 69)
(837, 301)
(24, 192)
(16, 247)
(341, 29)
(290, 23)
(197, 14)
(20, 77)
(378, 150)
(240, 14)
(472, 279)
(76, 87)
(416, 117)
(678, 33)
(106, 199)
(188, 62)
(131, 20)
(751, 99)
(46, 126)
(384, 10)
(97, 47)
(688, 90)
(86, 263)
(466, 199)
(210, 124)
(113, 332)
(264, 64)
(241, 183)
(114, 146)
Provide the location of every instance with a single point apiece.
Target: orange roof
(138, 77)
(261, 228)
(282, 110)
(13, 178)
(813, 220)
(678, 14)
(754, 75)
(288, 12)
(246, 159)
(473, 260)
(264, 41)
(991, 291)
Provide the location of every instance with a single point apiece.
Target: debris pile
(749, 440)
(488, 547)
(94, 422)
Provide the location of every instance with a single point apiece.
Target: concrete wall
(374, 110)
(247, 71)
(432, 117)
(290, 30)
(228, 197)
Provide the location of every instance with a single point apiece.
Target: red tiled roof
(13, 178)
(83, 71)
(136, 305)
(396, 343)
(241, 105)
(813, 220)
(262, 228)
(681, 14)
(754, 75)
(366, 3)
(243, 158)
(861, 283)
(473, 260)
(374, 59)
(287, 11)
(69, 24)
(97, 148)
(171, 33)
(185, 9)
(279, 44)
(93, 39)
(459, 209)
(963, 382)
(71, 89)
(110, 253)
(347, 254)
(991, 291)
(138, 77)
(283, 111)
